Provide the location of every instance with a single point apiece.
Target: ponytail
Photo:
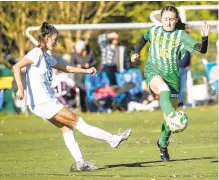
(45, 30)
(180, 25)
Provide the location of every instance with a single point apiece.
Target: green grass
(31, 148)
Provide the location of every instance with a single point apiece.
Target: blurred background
(16, 17)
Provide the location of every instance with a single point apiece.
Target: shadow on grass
(93, 174)
(216, 161)
(140, 164)
(137, 164)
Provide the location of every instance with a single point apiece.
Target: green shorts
(151, 75)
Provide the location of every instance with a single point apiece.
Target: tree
(15, 17)
(81, 13)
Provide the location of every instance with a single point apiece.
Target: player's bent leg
(69, 139)
(113, 140)
(155, 83)
(159, 87)
(72, 145)
(69, 118)
(163, 141)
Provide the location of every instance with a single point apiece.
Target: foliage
(16, 16)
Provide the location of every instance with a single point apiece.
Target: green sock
(165, 102)
(164, 138)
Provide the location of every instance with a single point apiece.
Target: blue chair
(1, 99)
(134, 76)
(208, 67)
(93, 82)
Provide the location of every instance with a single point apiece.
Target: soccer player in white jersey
(168, 46)
(42, 102)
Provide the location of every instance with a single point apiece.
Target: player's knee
(74, 117)
(65, 129)
(163, 87)
(80, 122)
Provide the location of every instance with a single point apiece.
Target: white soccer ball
(177, 121)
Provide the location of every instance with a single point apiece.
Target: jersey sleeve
(147, 35)
(188, 42)
(53, 61)
(34, 55)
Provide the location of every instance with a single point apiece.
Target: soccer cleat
(117, 139)
(83, 166)
(163, 153)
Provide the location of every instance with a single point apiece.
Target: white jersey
(39, 77)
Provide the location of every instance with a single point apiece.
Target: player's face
(52, 41)
(169, 20)
(115, 42)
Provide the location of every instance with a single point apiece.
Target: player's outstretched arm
(72, 69)
(203, 46)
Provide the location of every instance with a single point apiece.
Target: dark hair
(179, 25)
(45, 30)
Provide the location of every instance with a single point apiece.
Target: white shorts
(46, 110)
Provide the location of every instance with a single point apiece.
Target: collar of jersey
(167, 31)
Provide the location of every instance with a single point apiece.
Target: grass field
(33, 149)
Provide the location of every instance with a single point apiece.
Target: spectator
(111, 55)
(65, 88)
(184, 66)
(147, 102)
(83, 57)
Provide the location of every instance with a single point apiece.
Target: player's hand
(86, 65)
(91, 70)
(113, 35)
(78, 66)
(204, 29)
(135, 57)
(20, 94)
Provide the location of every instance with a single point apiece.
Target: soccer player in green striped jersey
(168, 44)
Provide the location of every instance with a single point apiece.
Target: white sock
(72, 145)
(92, 131)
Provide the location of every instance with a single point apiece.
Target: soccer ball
(177, 121)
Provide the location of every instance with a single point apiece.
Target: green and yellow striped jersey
(166, 50)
